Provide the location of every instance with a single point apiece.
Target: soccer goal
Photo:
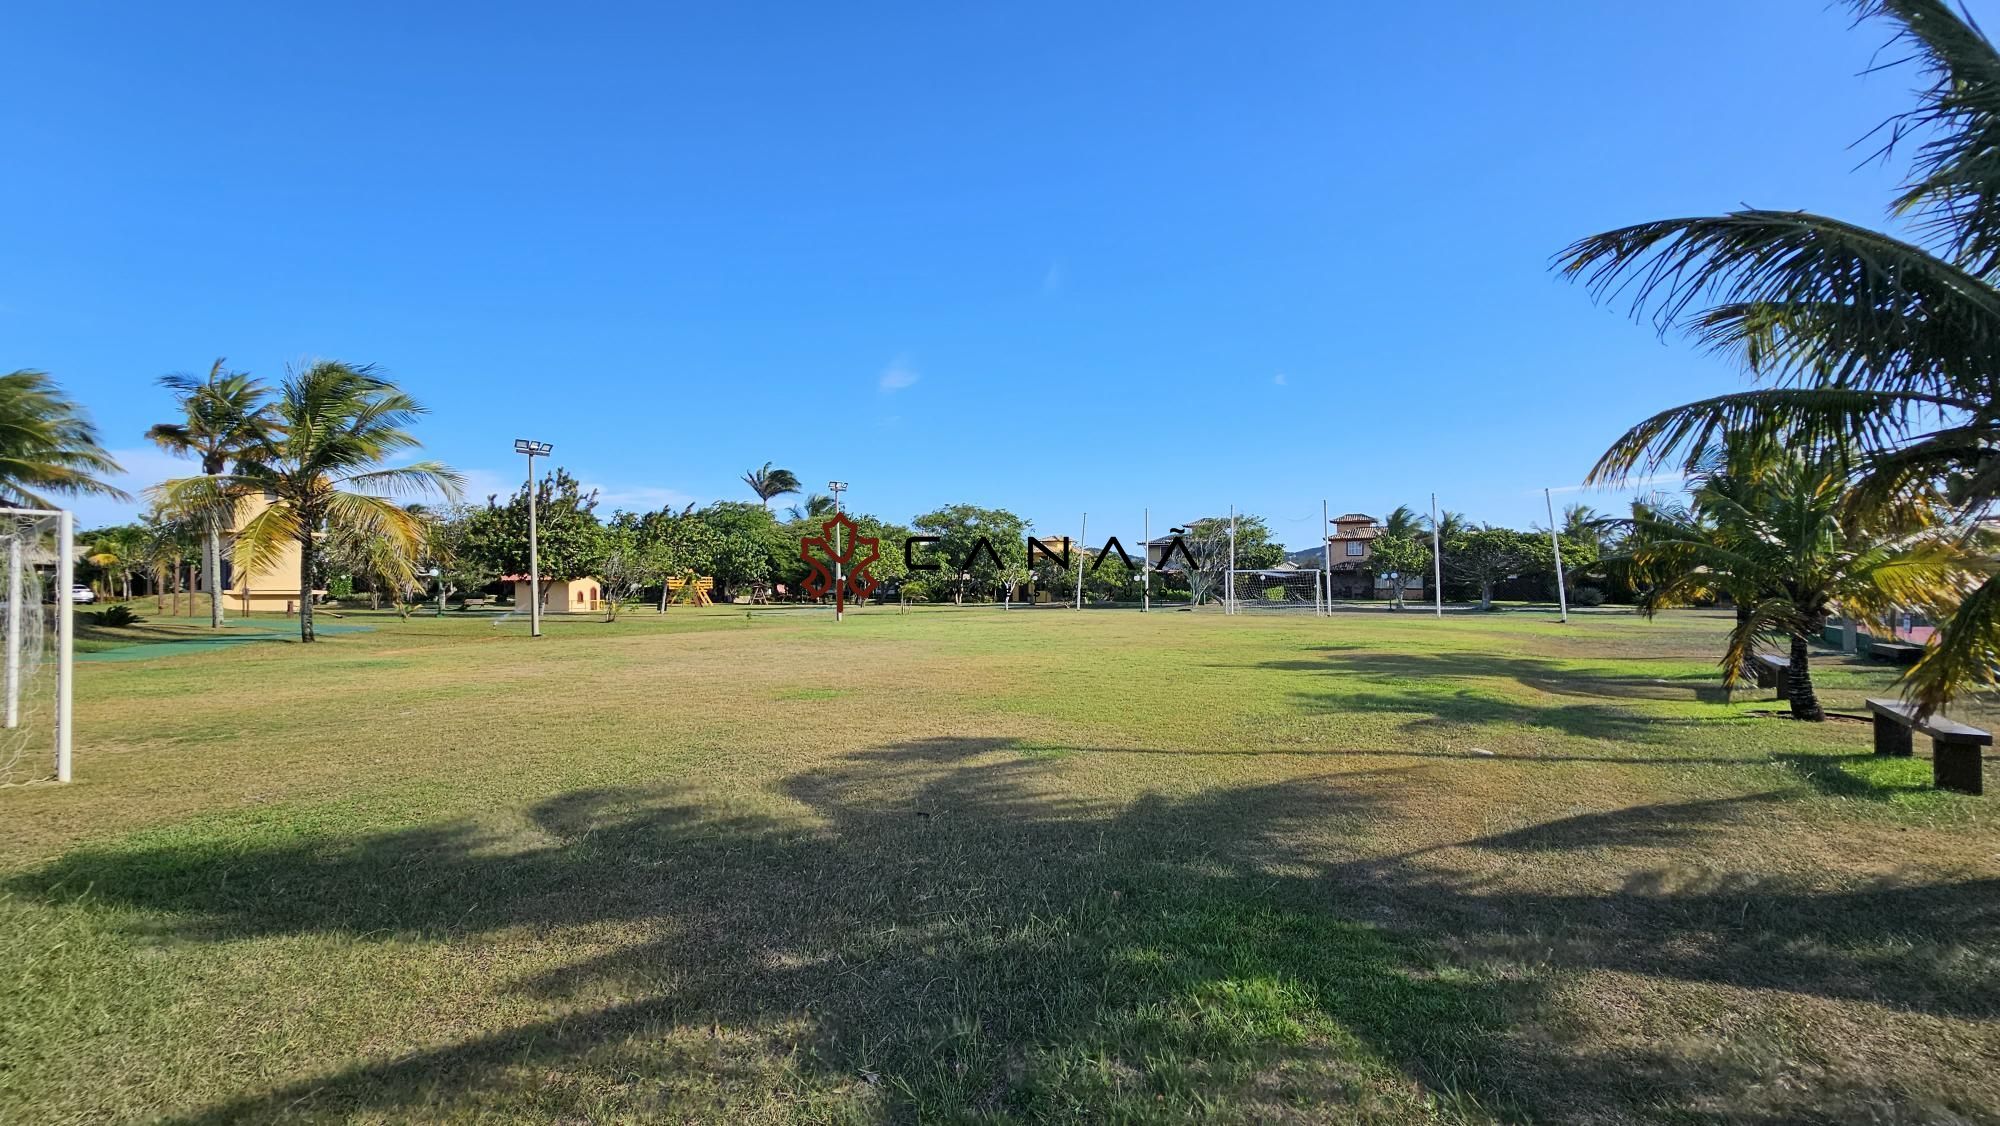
(38, 550)
(1281, 588)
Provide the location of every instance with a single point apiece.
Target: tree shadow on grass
(1438, 711)
(1543, 674)
(1869, 776)
(949, 933)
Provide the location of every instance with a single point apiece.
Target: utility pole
(1146, 568)
(839, 590)
(533, 449)
(1230, 588)
(1437, 562)
(1562, 595)
(1326, 556)
(1081, 535)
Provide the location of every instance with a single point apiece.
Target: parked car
(82, 594)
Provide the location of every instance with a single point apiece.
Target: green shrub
(1586, 596)
(118, 615)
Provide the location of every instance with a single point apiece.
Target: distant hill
(1305, 555)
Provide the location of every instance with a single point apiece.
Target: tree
(679, 544)
(335, 425)
(1450, 525)
(959, 529)
(379, 560)
(1863, 338)
(1486, 555)
(120, 552)
(751, 549)
(47, 444)
(623, 567)
(1400, 556)
(169, 549)
(223, 418)
(1403, 521)
(447, 532)
(568, 538)
(768, 482)
(1770, 525)
(1207, 540)
(816, 506)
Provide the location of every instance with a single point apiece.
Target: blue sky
(1052, 257)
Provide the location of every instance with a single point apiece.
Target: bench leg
(1891, 737)
(1955, 766)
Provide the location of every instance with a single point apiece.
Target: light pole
(532, 449)
(1555, 545)
(839, 597)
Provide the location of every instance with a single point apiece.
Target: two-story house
(1351, 573)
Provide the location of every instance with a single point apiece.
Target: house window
(579, 596)
(1356, 548)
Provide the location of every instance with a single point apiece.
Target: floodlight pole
(1562, 596)
(1146, 569)
(532, 448)
(1437, 562)
(839, 592)
(1082, 536)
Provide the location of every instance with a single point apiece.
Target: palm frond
(1954, 191)
(1964, 656)
(1773, 258)
(1803, 416)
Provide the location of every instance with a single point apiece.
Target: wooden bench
(1772, 671)
(1955, 747)
(473, 603)
(1901, 652)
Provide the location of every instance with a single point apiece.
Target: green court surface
(236, 635)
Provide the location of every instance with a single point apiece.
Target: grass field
(971, 865)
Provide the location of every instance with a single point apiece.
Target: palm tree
(1864, 337)
(170, 544)
(121, 552)
(1449, 524)
(1582, 524)
(225, 417)
(768, 482)
(1402, 521)
(322, 473)
(816, 505)
(47, 444)
(1770, 526)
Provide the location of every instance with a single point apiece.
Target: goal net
(37, 566)
(1282, 588)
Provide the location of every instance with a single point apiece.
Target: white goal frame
(65, 629)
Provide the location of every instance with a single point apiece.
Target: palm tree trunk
(306, 587)
(211, 574)
(1805, 705)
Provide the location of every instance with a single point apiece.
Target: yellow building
(272, 588)
(560, 596)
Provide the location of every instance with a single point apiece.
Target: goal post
(39, 632)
